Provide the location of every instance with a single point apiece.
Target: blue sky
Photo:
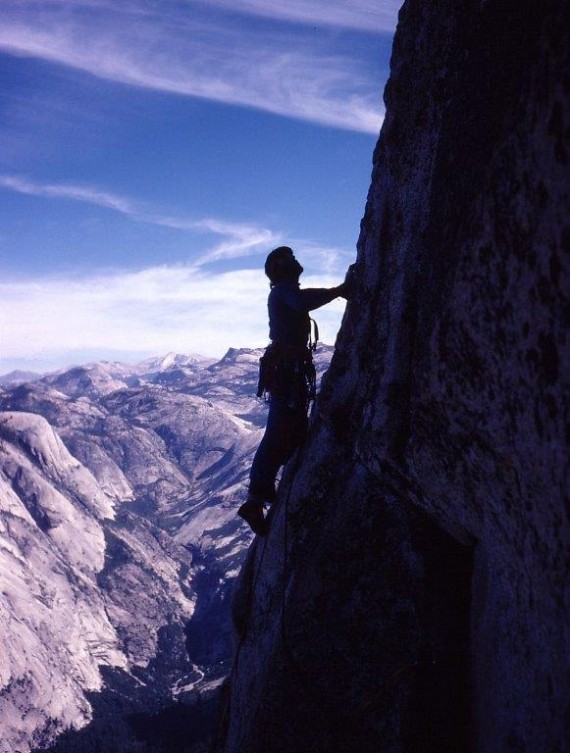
(152, 152)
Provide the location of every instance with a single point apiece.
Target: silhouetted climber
(287, 374)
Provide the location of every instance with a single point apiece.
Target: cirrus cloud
(239, 239)
(152, 311)
(187, 49)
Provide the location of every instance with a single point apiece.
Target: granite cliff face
(413, 592)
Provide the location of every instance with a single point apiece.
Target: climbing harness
(282, 366)
(289, 373)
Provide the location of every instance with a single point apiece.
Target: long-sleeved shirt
(289, 306)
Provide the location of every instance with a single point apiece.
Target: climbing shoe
(252, 512)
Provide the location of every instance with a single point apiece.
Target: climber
(287, 375)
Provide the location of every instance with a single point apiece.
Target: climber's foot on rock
(252, 512)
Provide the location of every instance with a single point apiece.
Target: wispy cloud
(155, 309)
(183, 308)
(239, 239)
(364, 15)
(179, 48)
(65, 191)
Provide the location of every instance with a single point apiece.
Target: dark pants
(286, 429)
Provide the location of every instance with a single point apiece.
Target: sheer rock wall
(411, 593)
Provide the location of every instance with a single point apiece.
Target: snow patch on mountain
(172, 360)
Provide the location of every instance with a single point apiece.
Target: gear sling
(289, 372)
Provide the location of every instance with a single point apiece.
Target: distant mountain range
(119, 544)
(18, 377)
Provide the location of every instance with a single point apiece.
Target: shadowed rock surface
(412, 593)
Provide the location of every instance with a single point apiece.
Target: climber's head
(281, 265)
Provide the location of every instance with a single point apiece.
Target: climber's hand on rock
(348, 286)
